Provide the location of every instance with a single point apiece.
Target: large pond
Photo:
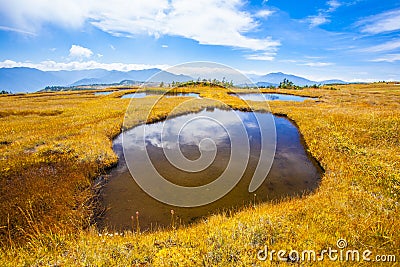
(271, 97)
(149, 93)
(292, 173)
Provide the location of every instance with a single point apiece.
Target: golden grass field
(53, 145)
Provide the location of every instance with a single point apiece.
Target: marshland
(55, 146)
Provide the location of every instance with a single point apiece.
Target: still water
(104, 93)
(144, 94)
(292, 173)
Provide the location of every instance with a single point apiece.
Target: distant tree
(161, 84)
(4, 92)
(286, 84)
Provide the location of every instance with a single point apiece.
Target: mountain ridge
(24, 79)
(275, 78)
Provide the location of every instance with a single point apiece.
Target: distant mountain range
(277, 77)
(29, 79)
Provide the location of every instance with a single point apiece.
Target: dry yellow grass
(353, 132)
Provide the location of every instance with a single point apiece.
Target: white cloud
(267, 56)
(50, 65)
(314, 57)
(79, 52)
(387, 58)
(164, 46)
(323, 14)
(211, 22)
(290, 61)
(30, 15)
(264, 13)
(317, 64)
(333, 5)
(310, 61)
(318, 20)
(388, 46)
(384, 22)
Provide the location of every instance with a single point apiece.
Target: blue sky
(355, 40)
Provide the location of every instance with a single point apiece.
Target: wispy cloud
(50, 65)
(310, 61)
(318, 20)
(387, 58)
(388, 46)
(317, 64)
(314, 57)
(290, 61)
(323, 15)
(384, 22)
(267, 56)
(264, 13)
(333, 5)
(11, 29)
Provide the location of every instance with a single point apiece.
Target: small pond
(144, 94)
(292, 173)
(271, 97)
